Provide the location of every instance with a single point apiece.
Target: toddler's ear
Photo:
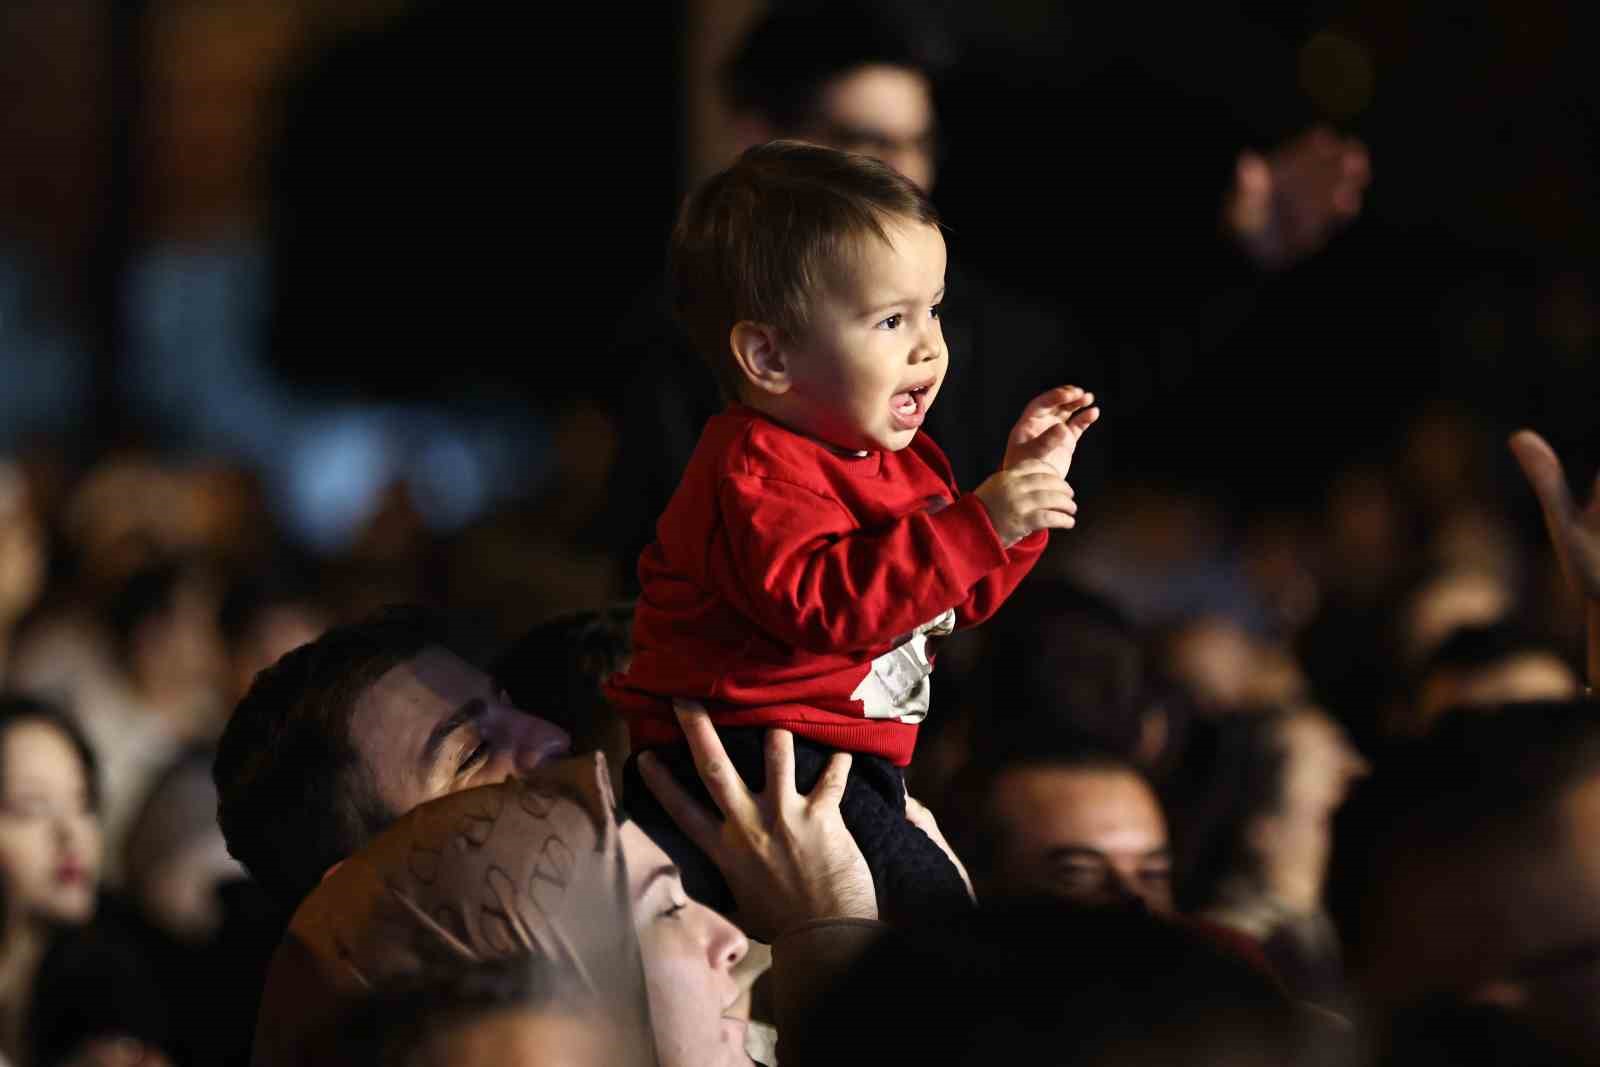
(759, 352)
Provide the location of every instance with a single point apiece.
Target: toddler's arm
(801, 570)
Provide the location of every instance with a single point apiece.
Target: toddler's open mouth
(910, 406)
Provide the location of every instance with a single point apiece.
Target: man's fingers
(780, 765)
(711, 761)
(829, 789)
(691, 817)
(1542, 467)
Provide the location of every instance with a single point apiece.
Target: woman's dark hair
(19, 708)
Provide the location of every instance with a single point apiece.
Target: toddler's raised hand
(1050, 427)
(1027, 498)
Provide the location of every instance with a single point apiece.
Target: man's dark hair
(797, 48)
(17, 709)
(293, 795)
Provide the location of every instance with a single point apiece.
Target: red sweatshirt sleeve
(991, 592)
(804, 573)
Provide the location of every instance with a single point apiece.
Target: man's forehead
(1111, 808)
(434, 678)
(880, 97)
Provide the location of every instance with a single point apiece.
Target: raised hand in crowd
(1574, 531)
(1287, 205)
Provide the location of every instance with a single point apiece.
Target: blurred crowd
(1283, 755)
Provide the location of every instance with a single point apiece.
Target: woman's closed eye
(475, 757)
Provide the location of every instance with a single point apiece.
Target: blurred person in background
(162, 687)
(1223, 668)
(262, 617)
(1479, 904)
(50, 850)
(1442, 602)
(179, 888)
(1480, 900)
(22, 558)
(1481, 667)
(175, 855)
(1253, 803)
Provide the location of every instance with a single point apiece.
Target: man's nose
(536, 741)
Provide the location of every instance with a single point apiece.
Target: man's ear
(758, 349)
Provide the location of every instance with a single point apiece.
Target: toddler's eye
(934, 311)
(892, 322)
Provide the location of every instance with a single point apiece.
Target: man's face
(879, 111)
(1091, 835)
(436, 725)
(872, 358)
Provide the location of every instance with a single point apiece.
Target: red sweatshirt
(787, 586)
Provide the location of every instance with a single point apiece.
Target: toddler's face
(868, 367)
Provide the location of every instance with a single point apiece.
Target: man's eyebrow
(1162, 853)
(666, 870)
(466, 713)
(1076, 852)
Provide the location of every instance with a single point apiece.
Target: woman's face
(49, 835)
(689, 955)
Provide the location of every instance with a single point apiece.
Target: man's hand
(787, 857)
(1284, 207)
(1050, 427)
(1025, 499)
(1574, 533)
